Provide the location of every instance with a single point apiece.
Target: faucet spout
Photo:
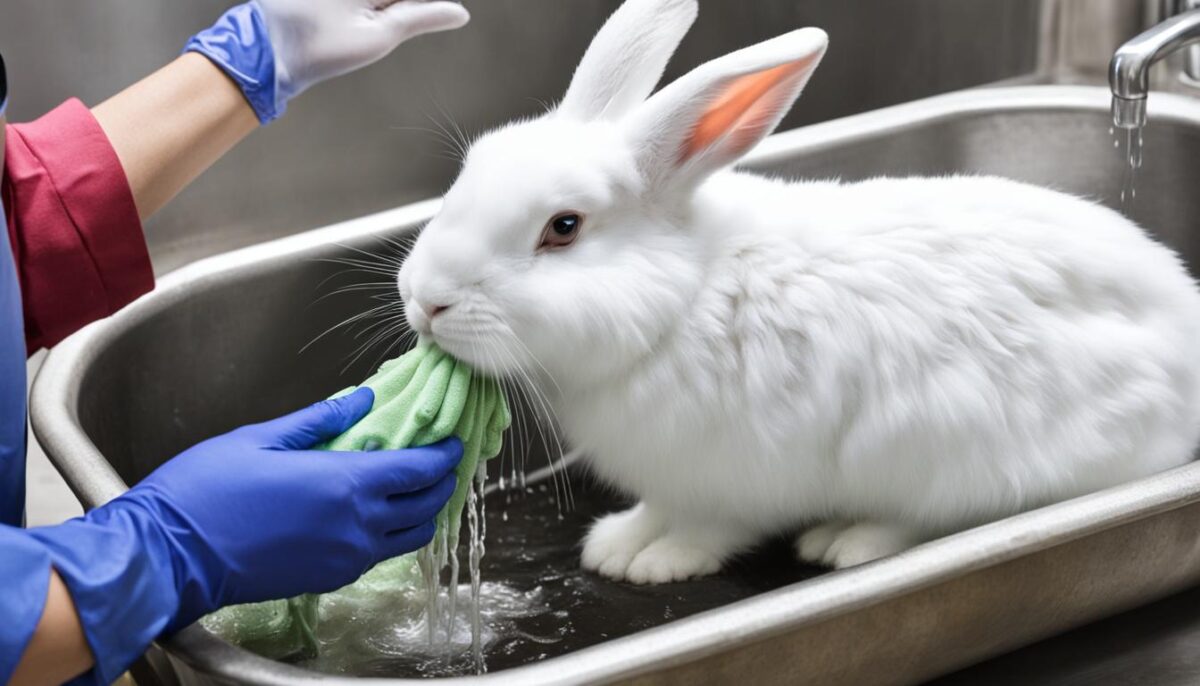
(1129, 71)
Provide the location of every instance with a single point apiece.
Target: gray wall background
(347, 148)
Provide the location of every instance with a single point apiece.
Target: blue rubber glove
(252, 515)
(276, 49)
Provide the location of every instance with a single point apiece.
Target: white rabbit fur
(895, 359)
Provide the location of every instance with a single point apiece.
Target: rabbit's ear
(713, 115)
(626, 58)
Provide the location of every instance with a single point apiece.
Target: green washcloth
(421, 397)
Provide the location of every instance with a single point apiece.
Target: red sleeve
(74, 228)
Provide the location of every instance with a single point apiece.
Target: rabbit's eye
(561, 231)
(566, 224)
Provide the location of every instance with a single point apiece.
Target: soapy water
(383, 624)
(387, 635)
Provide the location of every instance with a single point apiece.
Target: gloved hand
(276, 49)
(248, 516)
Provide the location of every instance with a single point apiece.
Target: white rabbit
(893, 360)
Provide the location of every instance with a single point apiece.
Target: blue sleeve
(25, 569)
(116, 565)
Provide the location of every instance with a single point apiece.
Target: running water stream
(478, 529)
(434, 559)
(1132, 153)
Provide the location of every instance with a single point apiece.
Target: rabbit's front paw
(672, 558)
(616, 539)
(813, 545)
(861, 543)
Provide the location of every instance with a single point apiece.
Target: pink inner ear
(747, 105)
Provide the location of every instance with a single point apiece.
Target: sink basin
(220, 344)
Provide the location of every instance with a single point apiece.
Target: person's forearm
(58, 650)
(171, 126)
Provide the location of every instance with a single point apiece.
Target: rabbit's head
(565, 244)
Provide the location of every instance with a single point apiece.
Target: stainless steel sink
(218, 344)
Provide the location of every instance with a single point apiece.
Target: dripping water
(478, 530)
(425, 562)
(1132, 162)
(452, 590)
(442, 553)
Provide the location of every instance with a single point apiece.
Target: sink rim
(55, 393)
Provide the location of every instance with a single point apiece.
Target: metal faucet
(1129, 71)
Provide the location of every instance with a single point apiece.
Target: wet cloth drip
(421, 397)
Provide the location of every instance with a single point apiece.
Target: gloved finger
(403, 541)
(413, 469)
(409, 509)
(316, 423)
(409, 18)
